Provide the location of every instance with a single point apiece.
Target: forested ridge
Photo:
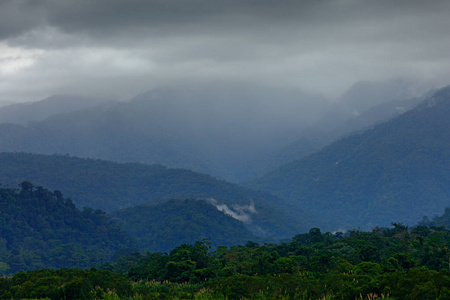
(398, 170)
(164, 226)
(73, 254)
(42, 229)
(389, 263)
(110, 186)
(51, 249)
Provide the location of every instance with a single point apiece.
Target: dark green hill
(110, 186)
(399, 170)
(42, 229)
(162, 227)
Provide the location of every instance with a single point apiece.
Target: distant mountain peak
(23, 113)
(397, 170)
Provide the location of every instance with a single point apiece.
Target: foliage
(388, 263)
(161, 227)
(39, 228)
(64, 284)
(111, 186)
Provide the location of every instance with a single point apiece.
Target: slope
(114, 131)
(213, 130)
(23, 113)
(162, 227)
(399, 170)
(110, 186)
(363, 106)
(42, 229)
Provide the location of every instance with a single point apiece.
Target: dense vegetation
(42, 229)
(162, 227)
(110, 186)
(399, 170)
(395, 262)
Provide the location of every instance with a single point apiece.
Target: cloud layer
(120, 48)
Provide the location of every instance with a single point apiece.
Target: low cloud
(242, 213)
(121, 48)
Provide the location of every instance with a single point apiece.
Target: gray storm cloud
(121, 48)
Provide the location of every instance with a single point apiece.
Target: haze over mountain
(23, 113)
(321, 115)
(213, 130)
(399, 170)
(241, 79)
(364, 105)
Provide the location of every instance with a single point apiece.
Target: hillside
(162, 227)
(42, 229)
(110, 186)
(22, 113)
(399, 170)
(115, 131)
(211, 130)
(437, 221)
(389, 263)
(363, 106)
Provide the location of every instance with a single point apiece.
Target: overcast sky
(120, 48)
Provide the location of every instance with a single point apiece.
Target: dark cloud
(121, 45)
(18, 17)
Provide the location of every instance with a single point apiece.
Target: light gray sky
(120, 48)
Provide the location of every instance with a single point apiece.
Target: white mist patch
(239, 212)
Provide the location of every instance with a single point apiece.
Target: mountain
(114, 131)
(364, 95)
(437, 221)
(398, 170)
(42, 229)
(219, 131)
(164, 226)
(365, 105)
(110, 186)
(22, 113)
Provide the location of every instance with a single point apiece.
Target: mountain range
(398, 170)
(111, 186)
(233, 134)
(162, 227)
(43, 229)
(390, 164)
(23, 113)
(363, 106)
(220, 132)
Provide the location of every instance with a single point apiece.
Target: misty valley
(220, 193)
(230, 150)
